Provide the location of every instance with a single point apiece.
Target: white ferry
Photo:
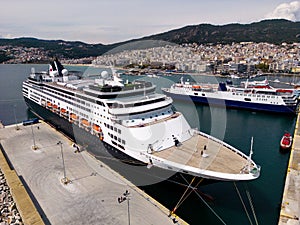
(257, 96)
(131, 121)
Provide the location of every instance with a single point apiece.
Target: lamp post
(64, 180)
(121, 199)
(34, 147)
(14, 109)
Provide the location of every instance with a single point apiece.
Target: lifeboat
(262, 86)
(62, 110)
(55, 108)
(85, 122)
(96, 128)
(286, 141)
(49, 104)
(196, 87)
(284, 91)
(73, 116)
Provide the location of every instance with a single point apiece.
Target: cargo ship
(131, 122)
(255, 96)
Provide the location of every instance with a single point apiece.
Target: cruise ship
(255, 95)
(130, 121)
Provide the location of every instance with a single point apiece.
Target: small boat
(62, 110)
(97, 128)
(286, 141)
(49, 104)
(73, 116)
(85, 122)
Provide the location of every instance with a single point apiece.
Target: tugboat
(286, 141)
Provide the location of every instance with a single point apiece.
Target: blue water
(236, 127)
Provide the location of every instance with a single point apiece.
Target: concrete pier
(73, 188)
(290, 206)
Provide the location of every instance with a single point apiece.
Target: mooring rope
(251, 204)
(245, 208)
(183, 196)
(193, 188)
(211, 209)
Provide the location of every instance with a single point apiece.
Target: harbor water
(227, 201)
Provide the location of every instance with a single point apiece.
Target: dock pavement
(92, 193)
(290, 206)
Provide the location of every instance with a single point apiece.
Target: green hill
(272, 31)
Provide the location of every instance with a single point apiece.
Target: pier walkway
(290, 206)
(39, 154)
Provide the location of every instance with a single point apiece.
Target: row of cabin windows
(117, 138)
(119, 145)
(75, 111)
(112, 128)
(151, 117)
(253, 95)
(62, 99)
(117, 105)
(65, 97)
(77, 95)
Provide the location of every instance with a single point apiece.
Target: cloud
(6, 36)
(290, 11)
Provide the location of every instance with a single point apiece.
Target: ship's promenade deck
(290, 205)
(92, 195)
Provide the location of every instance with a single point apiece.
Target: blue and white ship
(131, 121)
(256, 96)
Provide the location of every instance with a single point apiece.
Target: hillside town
(237, 58)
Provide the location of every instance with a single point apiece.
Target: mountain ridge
(274, 31)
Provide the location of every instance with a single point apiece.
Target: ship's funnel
(57, 69)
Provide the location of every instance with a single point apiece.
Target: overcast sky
(110, 21)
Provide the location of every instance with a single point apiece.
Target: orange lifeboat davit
(96, 128)
(101, 137)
